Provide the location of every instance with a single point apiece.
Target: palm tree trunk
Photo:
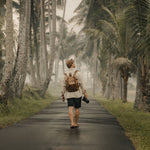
(31, 52)
(121, 90)
(41, 57)
(63, 65)
(49, 20)
(119, 87)
(37, 57)
(56, 67)
(19, 73)
(59, 44)
(36, 22)
(108, 85)
(143, 102)
(147, 101)
(142, 83)
(117, 94)
(114, 85)
(125, 89)
(5, 83)
(44, 53)
(52, 57)
(94, 66)
(27, 45)
(138, 91)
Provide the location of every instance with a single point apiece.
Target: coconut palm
(126, 67)
(20, 69)
(139, 10)
(5, 83)
(2, 40)
(121, 40)
(43, 45)
(52, 56)
(88, 12)
(60, 43)
(2, 2)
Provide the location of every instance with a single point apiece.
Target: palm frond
(122, 62)
(80, 16)
(2, 3)
(16, 5)
(111, 26)
(137, 15)
(111, 15)
(80, 6)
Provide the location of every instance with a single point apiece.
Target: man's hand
(62, 97)
(85, 94)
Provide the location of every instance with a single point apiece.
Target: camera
(85, 100)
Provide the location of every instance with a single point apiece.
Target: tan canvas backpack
(71, 81)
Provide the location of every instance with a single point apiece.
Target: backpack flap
(72, 84)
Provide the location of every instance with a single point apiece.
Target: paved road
(49, 130)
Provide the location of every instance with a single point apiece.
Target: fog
(87, 74)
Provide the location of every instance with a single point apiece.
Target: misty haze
(74, 74)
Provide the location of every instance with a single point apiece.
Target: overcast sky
(70, 7)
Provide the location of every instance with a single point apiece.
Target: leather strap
(66, 74)
(75, 72)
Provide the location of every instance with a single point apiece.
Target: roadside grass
(135, 123)
(19, 109)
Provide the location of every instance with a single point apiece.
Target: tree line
(114, 43)
(42, 37)
(116, 46)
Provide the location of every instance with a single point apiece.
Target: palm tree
(31, 49)
(20, 69)
(36, 25)
(2, 8)
(121, 41)
(126, 67)
(2, 40)
(43, 50)
(5, 83)
(52, 56)
(139, 10)
(2, 2)
(60, 42)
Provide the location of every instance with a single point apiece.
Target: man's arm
(63, 90)
(81, 85)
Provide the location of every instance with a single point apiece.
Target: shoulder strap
(66, 74)
(75, 72)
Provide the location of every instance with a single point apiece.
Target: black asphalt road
(50, 130)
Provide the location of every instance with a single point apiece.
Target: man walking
(73, 90)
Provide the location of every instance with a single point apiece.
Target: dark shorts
(75, 102)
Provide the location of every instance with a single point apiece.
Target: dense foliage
(120, 32)
(114, 43)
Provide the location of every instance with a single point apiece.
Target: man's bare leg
(76, 116)
(71, 115)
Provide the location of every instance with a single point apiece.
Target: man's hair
(69, 63)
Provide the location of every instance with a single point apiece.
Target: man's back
(71, 80)
(75, 94)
